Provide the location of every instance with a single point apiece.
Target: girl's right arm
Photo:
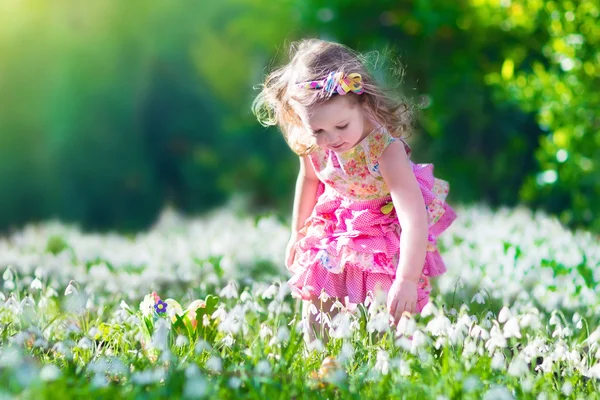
(305, 199)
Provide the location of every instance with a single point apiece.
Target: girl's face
(338, 124)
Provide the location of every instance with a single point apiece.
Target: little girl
(365, 217)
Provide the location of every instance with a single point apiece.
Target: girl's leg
(314, 327)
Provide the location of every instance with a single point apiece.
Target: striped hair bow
(336, 82)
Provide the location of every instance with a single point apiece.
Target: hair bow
(336, 82)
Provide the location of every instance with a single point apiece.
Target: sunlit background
(112, 110)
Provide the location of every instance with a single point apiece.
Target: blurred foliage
(111, 109)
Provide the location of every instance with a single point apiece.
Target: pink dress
(352, 238)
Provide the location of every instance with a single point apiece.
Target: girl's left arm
(408, 201)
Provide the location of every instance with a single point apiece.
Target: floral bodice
(355, 173)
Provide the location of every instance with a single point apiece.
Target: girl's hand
(402, 297)
(290, 252)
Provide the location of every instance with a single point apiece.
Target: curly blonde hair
(314, 59)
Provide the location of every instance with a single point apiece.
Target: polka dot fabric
(351, 245)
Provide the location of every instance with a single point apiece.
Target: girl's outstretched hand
(290, 252)
(402, 297)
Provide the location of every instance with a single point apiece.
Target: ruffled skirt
(351, 248)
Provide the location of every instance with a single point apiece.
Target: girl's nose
(332, 137)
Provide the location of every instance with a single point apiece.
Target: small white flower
(346, 353)
(230, 291)
(181, 341)
(49, 373)
(84, 343)
(504, 315)
(71, 289)
(36, 284)
(215, 364)
(202, 345)
(265, 331)
(439, 325)
(554, 319)
(8, 274)
(245, 297)
(406, 326)
(567, 388)
(234, 382)
(195, 388)
(283, 334)
(382, 364)
(429, 309)
(498, 361)
(419, 339)
(147, 306)
(527, 384)
(478, 298)
(316, 345)
(228, 341)
(263, 368)
(498, 393)
(324, 297)
(511, 328)
(518, 367)
(270, 292)
(595, 371)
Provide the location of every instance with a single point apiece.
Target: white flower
(195, 388)
(594, 336)
(429, 309)
(214, 363)
(124, 305)
(324, 297)
(147, 305)
(498, 393)
(84, 343)
(71, 289)
(527, 384)
(496, 341)
(504, 315)
(316, 345)
(201, 346)
(470, 384)
(263, 368)
(406, 326)
(283, 334)
(439, 325)
(181, 341)
(49, 373)
(8, 274)
(36, 284)
(567, 388)
(498, 361)
(511, 328)
(346, 353)
(342, 322)
(478, 331)
(478, 298)
(595, 371)
(270, 292)
(228, 341)
(234, 382)
(518, 367)
(419, 339)
(245, 297)
(382, 364)
(230, 291)
(554, 319)
(265, 331)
